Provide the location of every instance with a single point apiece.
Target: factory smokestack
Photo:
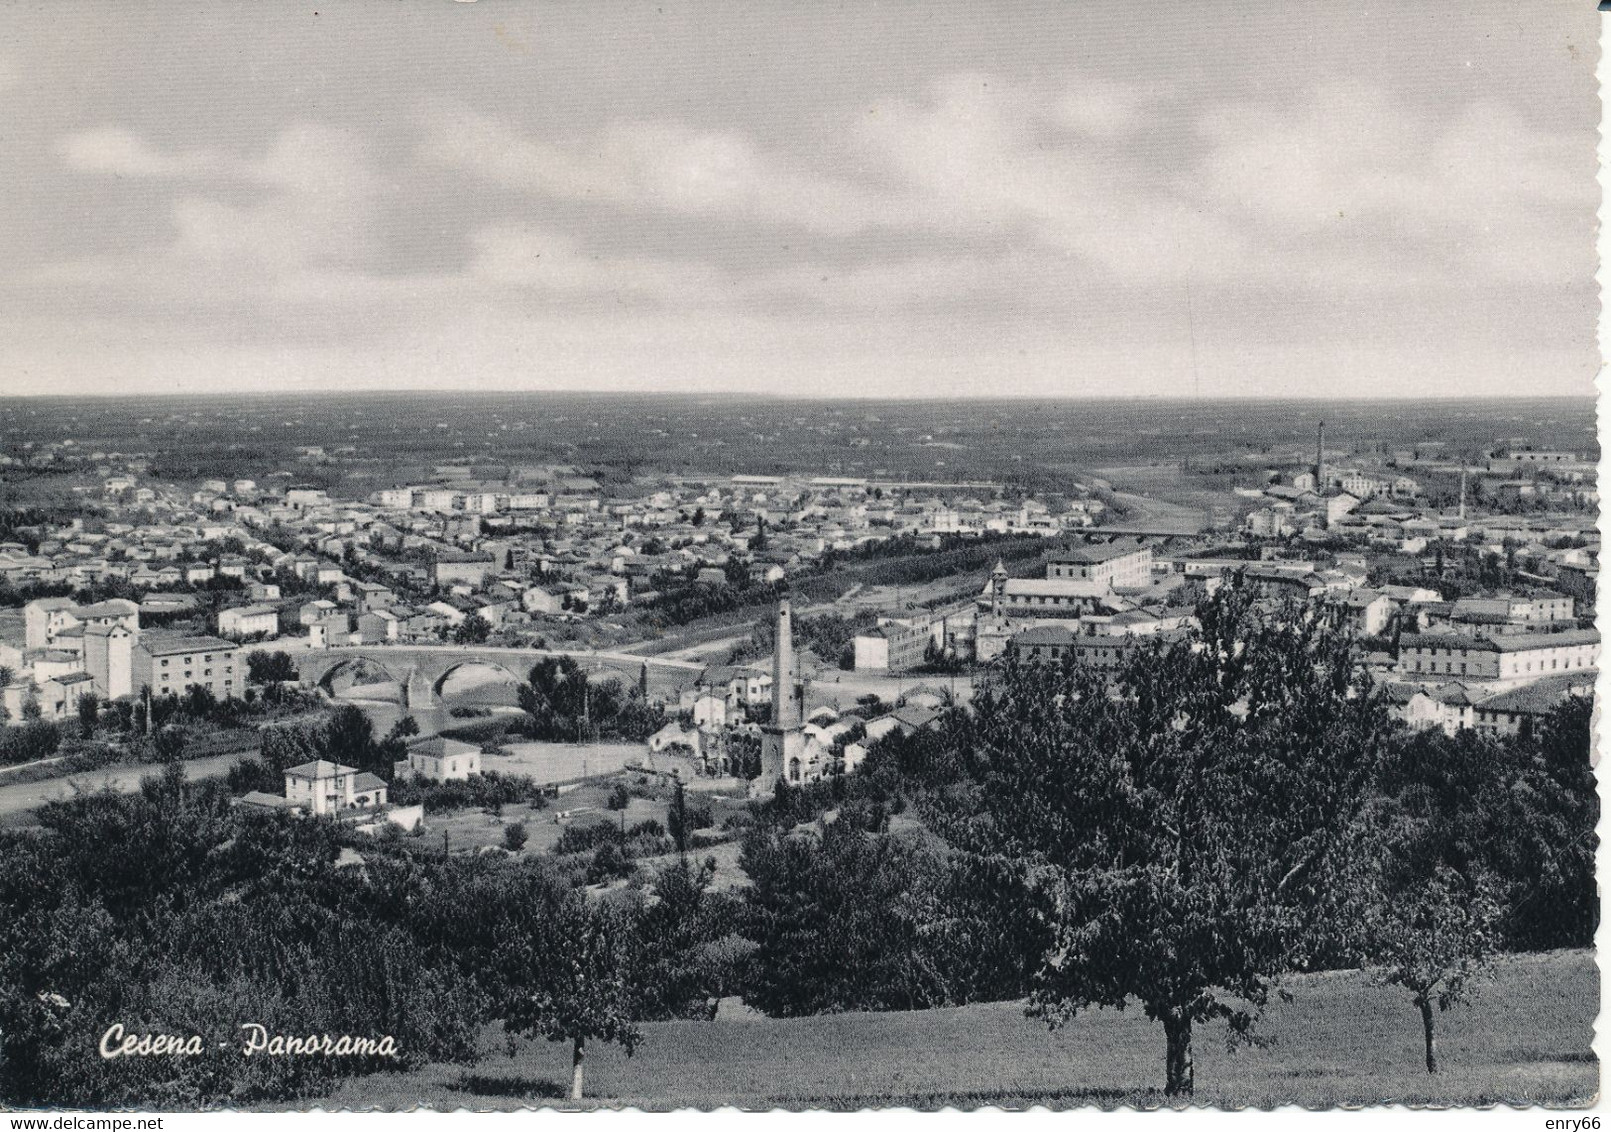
(1320, 458)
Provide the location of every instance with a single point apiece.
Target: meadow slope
(1525, 1040)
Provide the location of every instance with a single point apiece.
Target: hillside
(1526, 1039)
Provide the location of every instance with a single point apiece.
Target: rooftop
(1096, 553)
(1540, 698)
(320, 769)
(168, 644)
(441, 748)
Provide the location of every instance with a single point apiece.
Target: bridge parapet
(420, 669)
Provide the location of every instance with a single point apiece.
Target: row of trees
(563, 705)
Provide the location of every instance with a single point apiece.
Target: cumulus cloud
(123, 153)
(542, 261)
(972, 203)
(664, 166)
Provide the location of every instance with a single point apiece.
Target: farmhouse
(440, 760)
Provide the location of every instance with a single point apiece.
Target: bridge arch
(477, 663)
(357, 670)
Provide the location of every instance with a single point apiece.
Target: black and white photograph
(698, 555)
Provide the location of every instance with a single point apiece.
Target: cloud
(123, 153)
(533, 260)
(1107, 109)
(974, 206)
(1353, 175)
(238, 226)
(662, 166)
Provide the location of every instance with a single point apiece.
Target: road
(18, 797)
(712, 646)
(1149, 515)
(299, 645)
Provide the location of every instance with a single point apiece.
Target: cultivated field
(562, 762)
(1526, 1040)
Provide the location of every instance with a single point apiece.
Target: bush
(608, 864)
(586, 838)
(483, 731)
(514, 837)
(482, 791)
(35, 739)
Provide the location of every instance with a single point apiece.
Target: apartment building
(172, 664)
(1514, 660)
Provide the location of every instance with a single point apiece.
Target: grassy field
(562, 762)
(1525, 1040)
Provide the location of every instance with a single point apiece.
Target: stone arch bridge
(420, 671)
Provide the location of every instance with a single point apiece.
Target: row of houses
(72, 649)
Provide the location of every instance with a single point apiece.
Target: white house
(249, 620)
(324, 787)
(329, 632)
(441, 760)
(709, 710)
(378, 625)
(673, 737)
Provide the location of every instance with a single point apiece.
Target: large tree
(843, 921)
(1435, 936)
(1178, 814)
(566, 972)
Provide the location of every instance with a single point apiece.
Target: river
(548, 762)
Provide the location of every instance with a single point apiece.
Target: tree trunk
(1178, 1077)
(1431, 1037)
(576, 1068)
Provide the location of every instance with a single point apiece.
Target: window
(164, 662)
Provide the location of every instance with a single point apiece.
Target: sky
(858, 199)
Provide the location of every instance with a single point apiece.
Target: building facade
(170, 664)
(1112, 565)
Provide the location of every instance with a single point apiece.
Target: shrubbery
(480, 791)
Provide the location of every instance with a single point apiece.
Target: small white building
(329, 632)
(441, 760)
(709, 710)
(330, 789)
(248, 621)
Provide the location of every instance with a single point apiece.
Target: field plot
(1526, 1040)
(548, 763)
